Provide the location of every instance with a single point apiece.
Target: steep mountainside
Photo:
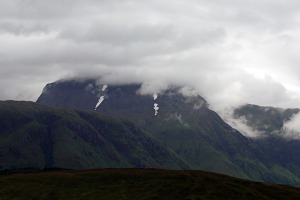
(36, 136)
(183, 123)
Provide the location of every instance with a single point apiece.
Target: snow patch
(104, 88)
(101, 99)
(102, 93)
(156, 109)
(154, 96)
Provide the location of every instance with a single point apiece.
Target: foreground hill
(183, 122)
(36, 136)
(137, 184)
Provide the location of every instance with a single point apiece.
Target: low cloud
(291, 128)
(240, 124)
(153, 87)
(189, 91)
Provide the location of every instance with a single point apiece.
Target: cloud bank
(231, 52)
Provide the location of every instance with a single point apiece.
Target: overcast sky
(230, 51)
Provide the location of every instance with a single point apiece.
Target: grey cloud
(22, 28)
(120, 34)
(43, 9)
(264, 16)
(231, 52)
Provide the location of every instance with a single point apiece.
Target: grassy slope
(37, 136)
(137, 184)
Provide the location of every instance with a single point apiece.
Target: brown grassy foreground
(140, 184)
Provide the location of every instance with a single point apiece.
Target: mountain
(265, 120)
(137, 184)
(269, 123)
(182, 122)
(39, 136)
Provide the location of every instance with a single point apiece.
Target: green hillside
(36, 136)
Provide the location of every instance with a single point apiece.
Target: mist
(291, 128)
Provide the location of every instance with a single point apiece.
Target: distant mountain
(265, 120)
(183, 123)
(269, 124)
(38, 136)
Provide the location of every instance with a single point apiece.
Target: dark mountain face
(36, 136)
(184, 124)
(118, 100)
